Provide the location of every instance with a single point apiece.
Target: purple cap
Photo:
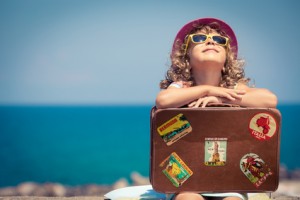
(223, 26)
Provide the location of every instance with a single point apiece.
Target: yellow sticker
(176, 170)
(174, 129)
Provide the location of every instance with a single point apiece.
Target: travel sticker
(174, 129)
(255, 169)
(176, 170)
(262, 126)
(215, 151)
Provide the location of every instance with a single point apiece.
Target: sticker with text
(215, 151)
(255, 169)
(174, 129)
(176, 170)
(262, 126)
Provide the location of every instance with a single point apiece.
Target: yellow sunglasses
(199, 38)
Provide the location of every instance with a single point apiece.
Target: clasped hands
(218, 95)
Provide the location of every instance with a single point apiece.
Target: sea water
(77, 145)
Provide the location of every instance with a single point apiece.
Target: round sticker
(262, 126)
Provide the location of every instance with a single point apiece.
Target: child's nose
(210, 41)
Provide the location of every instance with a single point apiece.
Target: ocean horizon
(99, 144)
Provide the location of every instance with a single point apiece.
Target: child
(205, 69)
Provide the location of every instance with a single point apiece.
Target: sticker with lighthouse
(215, 151)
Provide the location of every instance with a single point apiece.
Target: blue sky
(116, 52)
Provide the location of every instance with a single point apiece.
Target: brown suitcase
(215, 149)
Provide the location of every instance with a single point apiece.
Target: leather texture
(245, 140)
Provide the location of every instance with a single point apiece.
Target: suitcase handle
(212, 105)
(222, 105)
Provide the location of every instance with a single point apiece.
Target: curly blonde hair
(180, 69)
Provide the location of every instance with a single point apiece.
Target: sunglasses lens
(199, 38)
(219, 39)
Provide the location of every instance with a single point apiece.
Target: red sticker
(255, 169)
(263, 126)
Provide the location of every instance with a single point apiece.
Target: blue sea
(76, 145)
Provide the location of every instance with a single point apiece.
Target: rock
(75, 191)
(47, 189)
(40, 190)
(138, 179)
(8, 191)
(92, 190)
(59, 190)
(295, 174)
(288, 188)
(283, 172)
(26, 189)
(52, 189)
(120, 183)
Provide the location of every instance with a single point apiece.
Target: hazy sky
(94, 52)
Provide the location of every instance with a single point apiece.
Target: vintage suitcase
(215, 149)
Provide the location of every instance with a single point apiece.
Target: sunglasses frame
(189, 38)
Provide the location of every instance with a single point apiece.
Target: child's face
(207, 52)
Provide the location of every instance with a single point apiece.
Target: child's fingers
(204, 103)
(192, 104)
(198, 103)
(229, 96)
(235, 94)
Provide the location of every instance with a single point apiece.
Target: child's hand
(204, 101)
(230, 94)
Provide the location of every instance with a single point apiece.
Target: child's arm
(174, 97)
(255, 97)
